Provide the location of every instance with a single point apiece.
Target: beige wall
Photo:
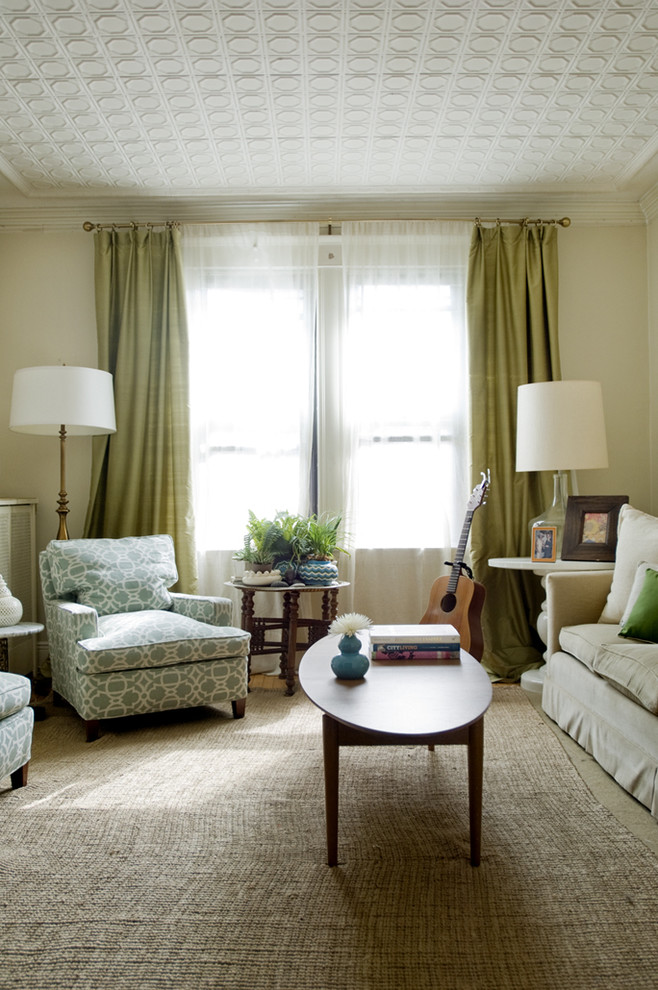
(47, 314)
(47, 307)
(603, 321)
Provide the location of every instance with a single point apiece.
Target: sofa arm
(203, 608)
(573, 598)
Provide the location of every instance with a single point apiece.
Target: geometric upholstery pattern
(16, 724)
(155, 639)
(148, 660)
(124, 575)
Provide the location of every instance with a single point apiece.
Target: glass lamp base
(556, 512)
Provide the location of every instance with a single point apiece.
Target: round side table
(12, 632)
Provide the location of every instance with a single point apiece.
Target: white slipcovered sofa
(601, 683)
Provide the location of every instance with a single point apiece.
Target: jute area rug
(187, 851)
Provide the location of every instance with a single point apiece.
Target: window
(405, 352)
(347, 383)
(249, 350)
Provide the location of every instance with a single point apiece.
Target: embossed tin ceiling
(195, 98)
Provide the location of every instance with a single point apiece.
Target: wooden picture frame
(544, 544)
(590, 527)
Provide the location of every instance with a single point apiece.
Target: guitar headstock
(479, 494)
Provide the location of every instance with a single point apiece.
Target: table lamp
(62, 401)
(560, 427)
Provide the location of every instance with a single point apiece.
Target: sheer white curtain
(394, 433)
(252, 304)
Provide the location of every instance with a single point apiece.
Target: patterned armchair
(122, 644)
(16, 724)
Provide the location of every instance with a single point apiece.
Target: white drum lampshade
(62, 401)
(560, 427)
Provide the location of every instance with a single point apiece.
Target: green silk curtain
(512, 299)
(141, 476)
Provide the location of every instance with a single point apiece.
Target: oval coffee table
(439, 704)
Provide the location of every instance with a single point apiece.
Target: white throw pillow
(636, 588)
(637, 541)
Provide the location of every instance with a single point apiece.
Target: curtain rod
(523, 222)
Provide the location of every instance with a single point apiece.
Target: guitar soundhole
(448, 602)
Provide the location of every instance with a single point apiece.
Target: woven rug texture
(187, 851)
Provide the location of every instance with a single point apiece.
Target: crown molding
(597, 209)
(649, 204)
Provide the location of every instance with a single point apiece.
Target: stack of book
(414, 644)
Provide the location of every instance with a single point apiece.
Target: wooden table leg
(330, 605)
(285, 635)
(291, 625)
(331, 751)
(475, 763)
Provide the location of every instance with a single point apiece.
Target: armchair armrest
(572, 598)
(72, 621)
(204, 608)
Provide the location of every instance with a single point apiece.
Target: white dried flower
(349, 624)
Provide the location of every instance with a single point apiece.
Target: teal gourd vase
(349, 664)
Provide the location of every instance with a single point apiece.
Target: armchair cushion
(154, 638)
(123, 575)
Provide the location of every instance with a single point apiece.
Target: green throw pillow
(642, 623)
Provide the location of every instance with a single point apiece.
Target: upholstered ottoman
(16, 724)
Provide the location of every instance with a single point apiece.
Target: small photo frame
(544, 543)
(590, 527)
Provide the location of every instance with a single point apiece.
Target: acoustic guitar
(456, 598)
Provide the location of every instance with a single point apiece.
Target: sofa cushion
(584, 641)
(155, 638)
(637, 540)
(124, 575)
(633, 669)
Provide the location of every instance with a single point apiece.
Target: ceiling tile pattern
(191, 97)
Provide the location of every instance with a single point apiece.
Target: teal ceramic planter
(317, 572)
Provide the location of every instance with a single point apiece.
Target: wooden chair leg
(238, 707)
(19, 777)
(92, 729)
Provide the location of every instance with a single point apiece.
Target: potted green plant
(293, 530)
(317, 548)
(264, 544)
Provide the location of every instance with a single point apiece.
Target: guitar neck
(461, 550)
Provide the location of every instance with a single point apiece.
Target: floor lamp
(62, 401)
(560, 427)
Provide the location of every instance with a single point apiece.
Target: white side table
(10, 632)
(533, 680)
